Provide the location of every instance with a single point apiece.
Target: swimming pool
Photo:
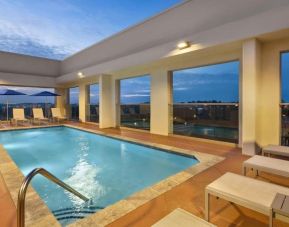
(102, 168)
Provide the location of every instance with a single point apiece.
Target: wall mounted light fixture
(80, 75)
(183, 45)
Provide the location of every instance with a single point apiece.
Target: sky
(25, 98)
(59, 28)
(218, 82)
(135, 90)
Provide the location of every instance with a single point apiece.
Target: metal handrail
(25, 184)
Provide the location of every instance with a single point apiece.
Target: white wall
(160, 102)
(23, 64)
(251, 69)
(26, 80)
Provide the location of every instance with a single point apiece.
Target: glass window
(285, 98)
(93, 104)
(206, 101)
(135, 102)
(74, 103)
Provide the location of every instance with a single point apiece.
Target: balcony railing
(284, 124)
(217, 121)
(93, 113)
(27, 109)
(135, 116)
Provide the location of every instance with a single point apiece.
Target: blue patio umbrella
(46, 94)
(10, 92)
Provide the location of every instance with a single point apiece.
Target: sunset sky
(59, 28)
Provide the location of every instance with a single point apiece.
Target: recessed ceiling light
(80, 74)
(183, 45)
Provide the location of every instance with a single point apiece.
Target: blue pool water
(105, 170)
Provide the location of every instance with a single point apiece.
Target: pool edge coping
(115, 211)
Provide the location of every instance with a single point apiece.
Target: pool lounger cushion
(244, 191)
(182, 218)
(266, 164)
(276, 150)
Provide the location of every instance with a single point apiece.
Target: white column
(83, 100)
(249, 90)
(62, 100)
(161, 99)
(107, 102)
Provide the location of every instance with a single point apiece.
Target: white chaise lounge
(182, 218)
(19, 116)
(270, 165)
(56, 114)
(38, 116)
(275, 150)
(244, 191)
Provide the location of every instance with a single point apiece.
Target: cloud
(181, 88)
(93, 95)
(52, 29)
(135, 95)
(22, 45)
(59, 28)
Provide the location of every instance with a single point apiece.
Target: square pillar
(251, 68)
(62, 100)
(161, 100)
(107, 102)
(83, 101)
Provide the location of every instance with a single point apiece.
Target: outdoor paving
(188, 195)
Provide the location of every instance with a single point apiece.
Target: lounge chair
(276, 150)
(19, 116)
(38, 116)
(244, 191)
(56, 114)
(182, 218)
(270, 165)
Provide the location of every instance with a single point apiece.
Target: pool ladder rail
(25, 184)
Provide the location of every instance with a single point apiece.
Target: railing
(25, 184)
(217, 121)
(93, 113)
(135, 116)
(284, 124)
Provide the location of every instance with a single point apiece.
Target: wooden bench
(270, 165)
(280, 208)
(244, 191)
(276, 150)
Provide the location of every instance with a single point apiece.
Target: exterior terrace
(251, 38)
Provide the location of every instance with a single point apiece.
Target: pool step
(75, 213)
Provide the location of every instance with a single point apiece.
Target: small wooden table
(280, 208)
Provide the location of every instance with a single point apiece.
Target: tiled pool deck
(185, 189)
